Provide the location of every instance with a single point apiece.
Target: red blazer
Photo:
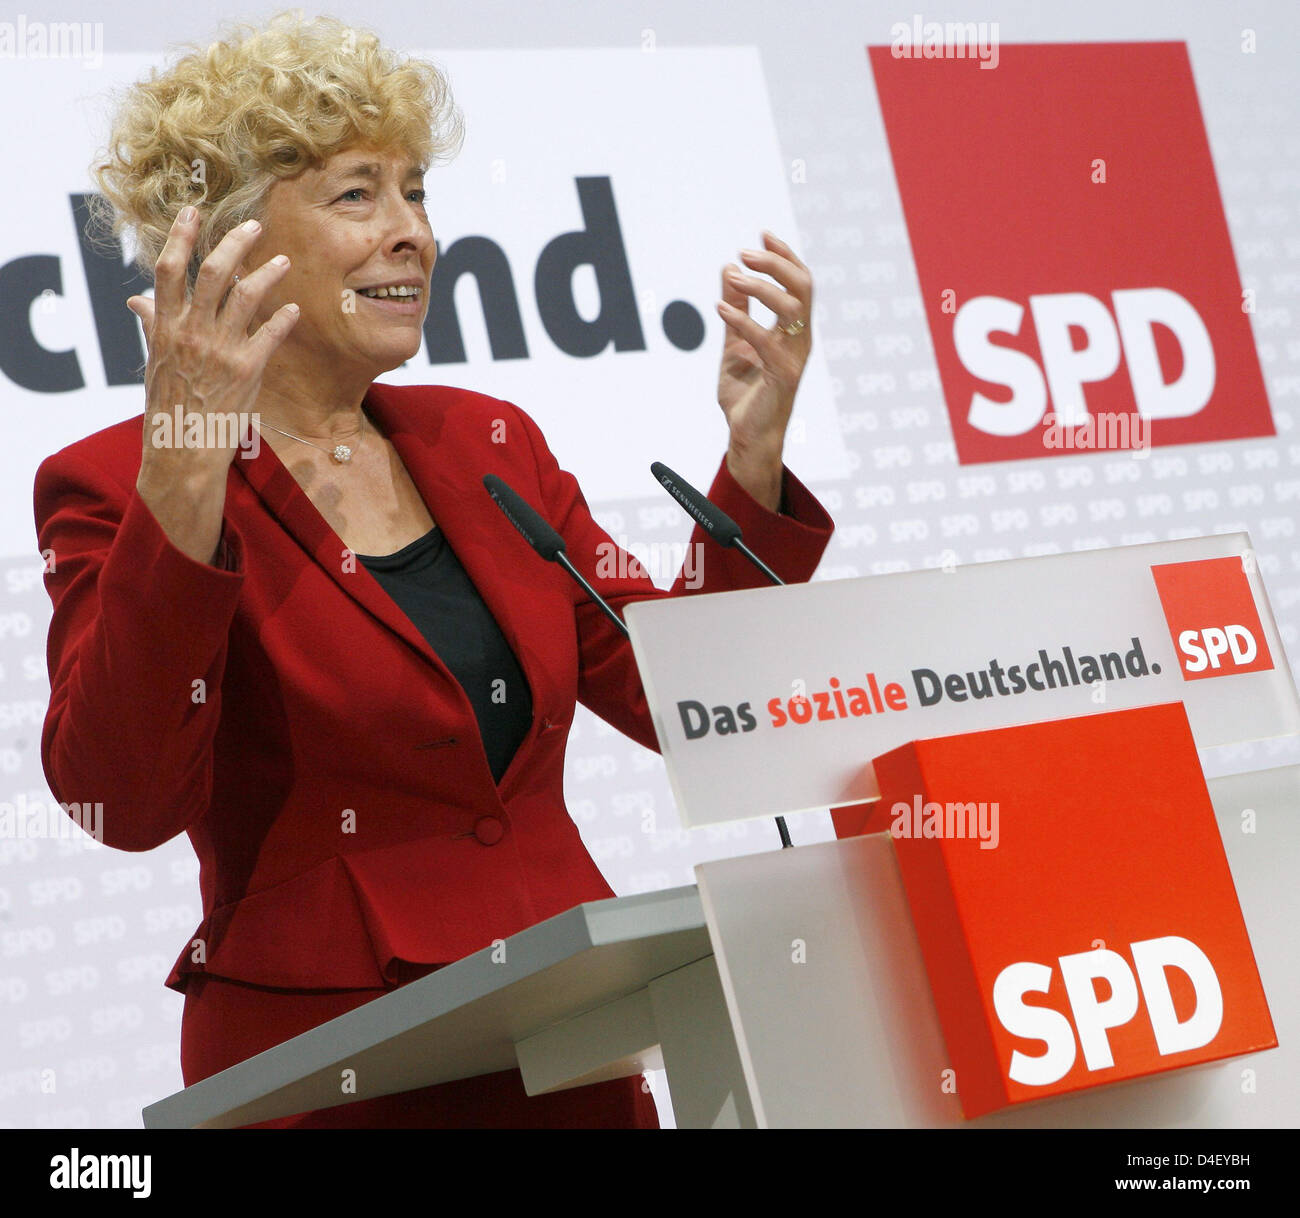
(290, 718)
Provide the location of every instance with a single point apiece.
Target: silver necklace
(341, 453)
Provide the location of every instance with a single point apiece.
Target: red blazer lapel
(460, 506)
(450, 480)
(279, 491)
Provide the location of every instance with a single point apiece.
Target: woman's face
(356, 223)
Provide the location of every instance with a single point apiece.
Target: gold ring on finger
(794, 327)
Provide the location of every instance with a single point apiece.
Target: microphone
(711, 518)
(726, 532)
(544, 539)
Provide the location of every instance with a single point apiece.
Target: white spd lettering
(1205, 648)
(1093, 1017)
(1067, 368)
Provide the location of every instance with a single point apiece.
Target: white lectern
(787, 991)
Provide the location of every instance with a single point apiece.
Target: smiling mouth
(403, 292)
(410, 307)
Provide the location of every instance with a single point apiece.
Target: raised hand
(203, 359)
(761, 367)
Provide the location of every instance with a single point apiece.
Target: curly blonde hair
(220, 126)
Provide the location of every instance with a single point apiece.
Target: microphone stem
(563, 560)
(710, 517)
(786, 843)
(758, 562)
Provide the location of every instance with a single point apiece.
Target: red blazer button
(489, 830)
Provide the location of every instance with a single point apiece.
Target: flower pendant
(342, 454)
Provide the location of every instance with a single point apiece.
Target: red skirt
(225, 1022)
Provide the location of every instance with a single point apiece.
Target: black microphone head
(532, 527)
(711, 518)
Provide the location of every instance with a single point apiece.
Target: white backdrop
(707, 126)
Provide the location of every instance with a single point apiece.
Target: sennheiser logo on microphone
(696, 512)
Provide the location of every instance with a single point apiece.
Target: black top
(429, 585)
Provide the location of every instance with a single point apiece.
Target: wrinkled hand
(762, 367)
(202, 358)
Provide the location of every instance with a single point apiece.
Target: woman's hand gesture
(202, 359)
(761, 368)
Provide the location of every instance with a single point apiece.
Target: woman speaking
(327, 656)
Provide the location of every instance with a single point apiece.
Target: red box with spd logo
(1073, 903)
(1212, 617)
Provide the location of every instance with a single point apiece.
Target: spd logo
(1102, 940)
(1094, 1017)
(1072, 250)
(1212, 618)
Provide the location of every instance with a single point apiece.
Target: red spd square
(1073, 903)
(1072, 249)
(1212, 618)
